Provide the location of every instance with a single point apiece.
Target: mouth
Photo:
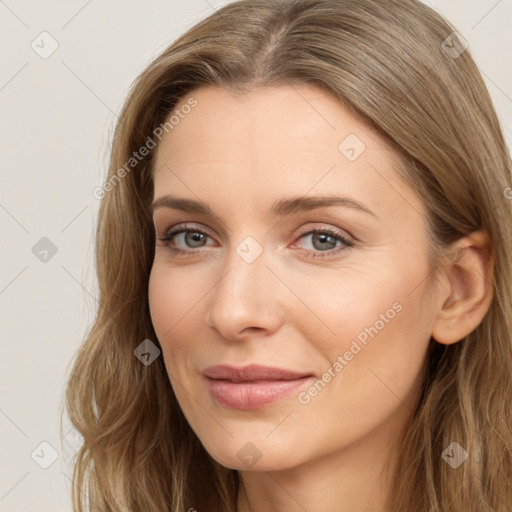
(253, 386)
(251, 373)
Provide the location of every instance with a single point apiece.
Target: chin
(253, 456)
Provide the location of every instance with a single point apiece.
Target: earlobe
(467, 295)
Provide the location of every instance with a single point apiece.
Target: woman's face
(249, 283)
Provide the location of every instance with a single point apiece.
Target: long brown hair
(398, 65)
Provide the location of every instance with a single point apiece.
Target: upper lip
(252, 372)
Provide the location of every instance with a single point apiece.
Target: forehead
(274, 142)
(292, 118)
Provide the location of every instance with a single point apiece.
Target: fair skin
(239, 155)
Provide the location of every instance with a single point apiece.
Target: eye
(192, 237)
(323, 242)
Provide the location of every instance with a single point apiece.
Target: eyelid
(180, 228)
(335, 230)
(318, 226)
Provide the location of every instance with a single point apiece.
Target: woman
(303, 262)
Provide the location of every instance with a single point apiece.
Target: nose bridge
(245, 297)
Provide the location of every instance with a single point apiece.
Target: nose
(246, 300)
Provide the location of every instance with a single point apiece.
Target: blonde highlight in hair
(384, 60)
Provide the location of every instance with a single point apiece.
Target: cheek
(377, 313)
(378, 353)
(360, 301)
(162, 302)
(177, 306)
(172, 296)
(372, 367)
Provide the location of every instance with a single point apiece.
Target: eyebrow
(280, 208)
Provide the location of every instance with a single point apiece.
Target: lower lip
(253, 395)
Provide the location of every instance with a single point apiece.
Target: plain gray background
(57, 118)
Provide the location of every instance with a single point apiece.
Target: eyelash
(183, 228)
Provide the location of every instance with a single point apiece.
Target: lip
(253, 386)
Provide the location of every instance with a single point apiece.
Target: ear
(466, 288)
